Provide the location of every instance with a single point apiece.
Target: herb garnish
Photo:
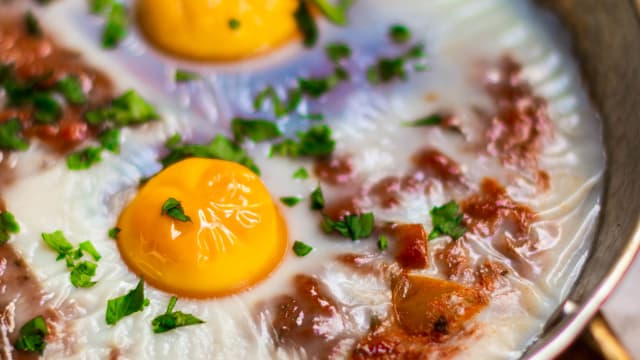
(182, 76)
(173, 208)
(128, 109)
(338, 51)
(301, 174)
(257, 130)
(173, 319)
(234, 24)
(351, 226)
(316, 141)
(306, 24)
(317, 199)
(125, 305)
(447, 220)
(84, 159)
(32, 335)
(8, 226)
(219, 148)
(46, 108)
(32, 25)
(280, 108)
(290, 201)
(301, 249)
(71, 89)
(435, 119)
(116, 27)
(399, 34)
(383, 242)
(100, 7)
(10, 136)
(337, 14)
(110, 140)
(113, 233)
(82, 272)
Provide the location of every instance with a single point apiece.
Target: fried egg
(235, 253)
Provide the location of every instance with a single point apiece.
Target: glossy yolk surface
(217, 29)
(235, 238)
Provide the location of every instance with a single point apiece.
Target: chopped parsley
(32, 25)
(290, 201)
(306, 24)
(10, 136)
(447, 220)
(351, 226)
(32, 335)
(82, 272)
(125, 305)
(301, 249)
(8, 226)
(110, 140)
(386, 70)
(257, 130)
(234, 24)
(71, 89)
(318, 86)
(435, 119)
(113, 233)
(317, 199)
(383, 242)
(46, 108)
(173, 208)
(127, 109)
(84, 159)
(316, 141)
(337, 14)
(399, 34)
(301, 174)
(116, 26)
(173, 319)
(183, 76)
(280, 108)
(219, 148)
(100, 7)
(338, 51)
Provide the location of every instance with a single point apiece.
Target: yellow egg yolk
(236, 236)
(217, 29)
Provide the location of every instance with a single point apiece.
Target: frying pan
(606, 42)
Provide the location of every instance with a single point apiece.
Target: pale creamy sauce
(463, 41)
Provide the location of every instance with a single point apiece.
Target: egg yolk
(236, 236)
(217, 29)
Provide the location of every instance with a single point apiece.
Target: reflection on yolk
(236, 236)
(217, 29)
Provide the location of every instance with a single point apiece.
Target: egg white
(366, 122)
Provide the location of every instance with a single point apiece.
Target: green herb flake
(316, 87)
(113, 233)
(31, 24)
(183, 76)
(387, 70)
(46, 108)
(290, 201)
(306, 24)
(125, 305)
(234, 24)
(257, 130)
(337, 13)
(100, 7)
(82, 274)
(173, 208)
(316, 141)
(32, 335)
(87, 247)
(280, 108)
(59, 243)
(399, 34)
(71, 89)
(447, 220)
(338, 51)
(301, 249)
(301, 174)
(110, 140)
(8, 226)
(84, 159)
(220, 148)
(127, 109)
(116, 27)
(430, 120)
(173, 319)
(317, 199)
(383, 242)
(11, 137)
(352, 226)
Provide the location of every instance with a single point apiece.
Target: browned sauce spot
(455, 262)
(387, 191)
(544, 180)
(338, 209)
(436, 164)
(411, 245)
(492, 212)
(309, 319)
(42, 57)
(334, 170)
(521, 122)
